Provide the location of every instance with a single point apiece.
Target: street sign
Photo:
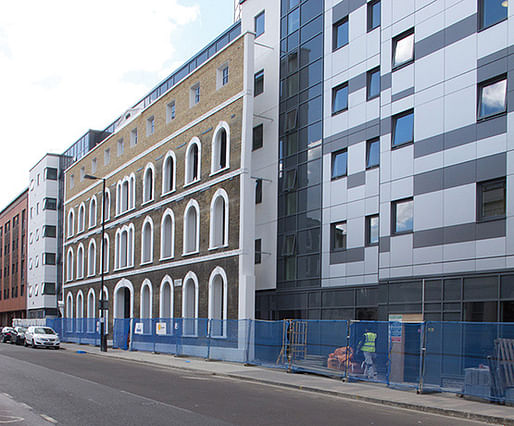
(103, 305)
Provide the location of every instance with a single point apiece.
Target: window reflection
(492, 98)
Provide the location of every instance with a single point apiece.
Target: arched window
(124, 195)
(82, 218)
(147, 241)
(218, 301)
(193, 155)
(105, 254)
(132, 188)
(71, 223)
(130, 249)
(91, 303)
(146, 300)
(80, 261)
(192, 227)
(148, 183)
(107, 202)
(220, 147)
(118, 198)
(168, 173)
(91, 258)
(166, 298)
(69, 265)
(92, 212)
(69, 305)
(168, 235)
(80, 305)
(218, 236)
(190, 304)
(124, 247)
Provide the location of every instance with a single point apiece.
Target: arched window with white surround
(82, 218)
(132, 188)
(80, 261)
(192, 227)
(130, 248)
(92, 212)
(146, 300)
(168, 173)
(220, 147)
(147, 241)
(166, 299)
(80, 305)
(90, 313)
(168, 234)
(218, 235)
(71, 223)
(69, 305)
(148, 183)
(69, 265)
(124, 247)
(124, 196)
(107, 204)
(193, 156)
(91, 258)
(190, 304)
(105, 254)
(218, 302)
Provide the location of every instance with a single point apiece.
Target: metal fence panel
(266, 344)
(121, 333)
(228, 340)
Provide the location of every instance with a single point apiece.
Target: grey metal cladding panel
(510, 101)
(459, 174)
(446, 36)
(357, 179)
(459, 233)
(355, 4)
(427, 238)
(384, 244)
(491, 229)
(428, 182)
(502, 53)
(357, 137)
(356, 83)
(460, 136)
(491, 69)
(491, 167)
(341, 140)
(492, 127)
(385, 126)
(340, 10)
(346, 256)
(385, 81)
(428, 146)
(402, 94)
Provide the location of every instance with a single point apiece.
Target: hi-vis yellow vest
(369, 344)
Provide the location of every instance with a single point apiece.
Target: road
(65, 387)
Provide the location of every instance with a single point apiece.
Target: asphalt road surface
(39, 386)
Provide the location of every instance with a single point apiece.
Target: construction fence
(475, 359)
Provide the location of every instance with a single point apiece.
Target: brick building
(13, 253)
(178, 193)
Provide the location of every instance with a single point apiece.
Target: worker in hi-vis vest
(367, 346)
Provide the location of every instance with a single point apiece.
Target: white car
(41, 336)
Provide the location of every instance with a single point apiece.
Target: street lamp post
(103, 307)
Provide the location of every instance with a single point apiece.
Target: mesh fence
(121, 334)
(266, 344)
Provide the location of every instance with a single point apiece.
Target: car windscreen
(43, 330)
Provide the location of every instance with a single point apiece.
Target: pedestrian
(368, 348)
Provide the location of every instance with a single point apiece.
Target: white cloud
(69, 66)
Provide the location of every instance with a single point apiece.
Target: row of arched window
(217, 299)
(125, 239)
(126, 187)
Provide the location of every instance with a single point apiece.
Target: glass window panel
(309, 173)
(339, 164)
(340, 34)
(507, 287)
(492, 199)
(405, 292)
(310, 112)
(293, 21)
(311, 51)
(311, 75)
(492, 11)
(372, 223)
(480, 288)
(311, 29)
(403, 218)
(493, 98)
(373, 88)
(403, 49)
(433, 289)
(373, 14)
(309, 198)
(339, 236)
(310, 9)
(309, 241)
(259, 24)
(373, 153)
(452, 289)
(340, 98)
(403, 128)
(480, 311)
(308, 266)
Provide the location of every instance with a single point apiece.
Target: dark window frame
(480, 17)
(258, 83)
(368, 83)
(290, 180)
(47, 170)
(394, 204)
(46, 258)
(335, 90)
(394, 120)
(258, 137)
(47, 228)
(369, 17)
(368, 230)
(45, 200)
(256, 17)
(335, 27)
(258, 251)
(368, 144)
(332, 162)
(289, 251)
(488, 82)
(333, 228)
(258, 191)
(480, 195)
(395, 41)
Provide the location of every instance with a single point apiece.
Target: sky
(66, 67)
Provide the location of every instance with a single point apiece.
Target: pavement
(438, 403)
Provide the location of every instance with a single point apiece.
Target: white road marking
(10, 419)
(49, 419)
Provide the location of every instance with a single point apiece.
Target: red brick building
(13, 259)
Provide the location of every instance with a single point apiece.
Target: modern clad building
(13, 260)
(393, 183)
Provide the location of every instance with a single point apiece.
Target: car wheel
(25, 343)
(33, 345)
(56, 348)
